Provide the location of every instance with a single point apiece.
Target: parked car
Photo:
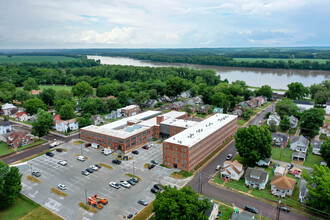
(135, 152)
(125, 184)
(151, 166)
(61, 186)
(36, 173)
(145, 147)
(289, 166)
(84, 172)
(62, 162)
(142, 202)
(93, 167)
(89, 170)
(153, 190)
(59, 150)
(284, 208)
(229, 156)
(158, 187)
(116, 161)
(136, 180)
(218, 167)
(50, 154)
(251, 209)
(131, 182)
(88, 145)
(154, 162)
(98, 166)
(107, 151)
(114, 185)
(130, 216)
(81, 158)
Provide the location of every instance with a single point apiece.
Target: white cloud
(115, 36)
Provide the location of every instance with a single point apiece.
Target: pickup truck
(107, 151)
(54, 144)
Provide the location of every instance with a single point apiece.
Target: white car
(62, 162)
(61, 186)
(93, 167)
(114, 185)
(125, 184)
(218, 167)
(81, 158)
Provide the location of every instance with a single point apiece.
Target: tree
(141, 97)
(102, 91)
(321, 98)
(272, 127)
(22, 96)
(218, 99)
(83, 122)
(6, 86)
(253, 143)
(286, 107)
(48, 96)
(63, 94)
(247, 113)
(296, 91)
(316, 88)
(311, 121)
(153, 93)
(325, 151)
(32, 105)
(184, 204)
(30, 84)
(113, 104)
(285, 123)
(174, 86)
(266, 91)
(67, 112)
(159, 104)
(43, 123)
(82, 89)
(92, 105)
(61, 102)
(267, 115)
(318, 184)
(123, 98)
(10, 184)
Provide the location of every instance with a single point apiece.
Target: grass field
(226, 212)
(239, 185)
(67, 88)
(284, 154)
(34, 59)
(312, 159)
(273, 59)
(4, 149)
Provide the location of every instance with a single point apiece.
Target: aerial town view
(165, 110)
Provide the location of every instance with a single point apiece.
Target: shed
(279, 171)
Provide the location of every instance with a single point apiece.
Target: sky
(38, 24)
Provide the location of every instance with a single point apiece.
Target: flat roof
(167, 116)
(129, 107)
(201, 130)
(179, 123)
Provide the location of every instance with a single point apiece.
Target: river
(276, 78)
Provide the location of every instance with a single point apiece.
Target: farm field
(285, 60)
(34, 59)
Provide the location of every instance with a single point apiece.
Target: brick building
(131, 132)
(189, 147)
(19, 139)
(171, 126)
(130, 110)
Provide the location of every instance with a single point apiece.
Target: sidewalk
(296, 165)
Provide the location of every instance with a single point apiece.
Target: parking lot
(122, 202)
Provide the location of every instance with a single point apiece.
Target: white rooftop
(167, 116)
(8, 106)
(129, 107)
(201, 130)
(179, 123)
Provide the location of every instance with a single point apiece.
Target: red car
(145, 147)
(88, 145)
(59, 149)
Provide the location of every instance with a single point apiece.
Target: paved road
(231, 197)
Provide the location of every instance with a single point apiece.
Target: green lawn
(264, 194)
(34, 59)
(327, 120)
(312, 159)
(37, 142)
(67, 88)
(239, 185)
(292, 131)
(226, 212)
(241, 121)
(4, 149)
(284, 154)
(218, 180)
(323, 137)
(285, 60)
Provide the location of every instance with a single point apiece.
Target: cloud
(115, 36)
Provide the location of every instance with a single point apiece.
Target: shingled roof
(283, 182)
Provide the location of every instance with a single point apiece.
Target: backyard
(226, 212)
(282, 154)
(312, 159)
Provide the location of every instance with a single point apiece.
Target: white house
(22, 116)
(274, 119)
(317, 147)
(185, 94)
(63, 126)
(7, 109)
(299, 144)
(256, 178)
(326, 129)
(5, 127)
(232, 170)
(264, 162)
(293, 121)
(97, 119)
(327, 108)
(282, 186)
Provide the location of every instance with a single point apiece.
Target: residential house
(64, 126)
(185, 94)
(217, 110)
(56, 118)
(194, 101)
(151, 103)
(256, 178)
(114, 115)
(35, 92)
(232, 170)
(260, 100)
(323, 163)
(244, 215)
(264, 162)
(279, 171)
(130, 110)
(298, 155)
(9, 109)
(326, 129)
(177, 106)
(192, 109)
(303, 191)
(109, 97)
(293, 122)
(252, 103)
(204, 109)
(317, 147)
(212, 212)
(97, 119)
(238, 112)
(282, 186)
(280, 140)
(19, 139)
(277, 96)
(32, 118)
(304, 105)
(327, 108)
(5, 127)
(22, 116)
(299, 144)
(274, 119)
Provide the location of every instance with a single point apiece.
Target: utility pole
(278, 210)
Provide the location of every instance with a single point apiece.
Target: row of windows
(184, 149)
(170, 164)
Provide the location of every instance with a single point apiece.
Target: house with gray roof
(274, 119)
(97, 119)
(316, 147)
(204, 109)
(194, 101)
(177, 106)
(303, 191)
(151, 103)
(298, 155)
(299, 144)
(280, 140)
(293, 122)
(256, 178)
(185, 94)
(264, 162)
(244, 215)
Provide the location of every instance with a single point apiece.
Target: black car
(98, 166)
(59, 150)
(50, 154)
(116, 161)
(151, 166)
(153, 190)
(135, 152)
(130, 216)
(89, 170)
(158, 187)
(36, 173)
(136, 180)
(284, 208)
(251, 209)
(130, 181)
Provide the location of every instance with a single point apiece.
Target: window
(139, 135)
(128, 146)
(144, 133)
(144, 138)
(177, 160)
(133, 143)
(127, 140)
(110, 144)
(98, 141)
(104, 137)
(165, 157)
(109, 138)
(148, 131)
(139, 141)
(173, 153)
(88, 138)
(93, 134)
(103, 142)
(114, 140)
(88, 133)
(120, 141)
(83, 132)
(173, 159)
(98, 136)
(133, 138)
(177, 154)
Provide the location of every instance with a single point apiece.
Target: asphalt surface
(230, 197)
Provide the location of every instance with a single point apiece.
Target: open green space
(282, 154)
(4, 149)
(218, 180)
(312, 159)
(34, 59)
(323, 137)
(264, 194)
(273, 59)
(37, 142)
(239, 185)
(226, 212)
(56, 88)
